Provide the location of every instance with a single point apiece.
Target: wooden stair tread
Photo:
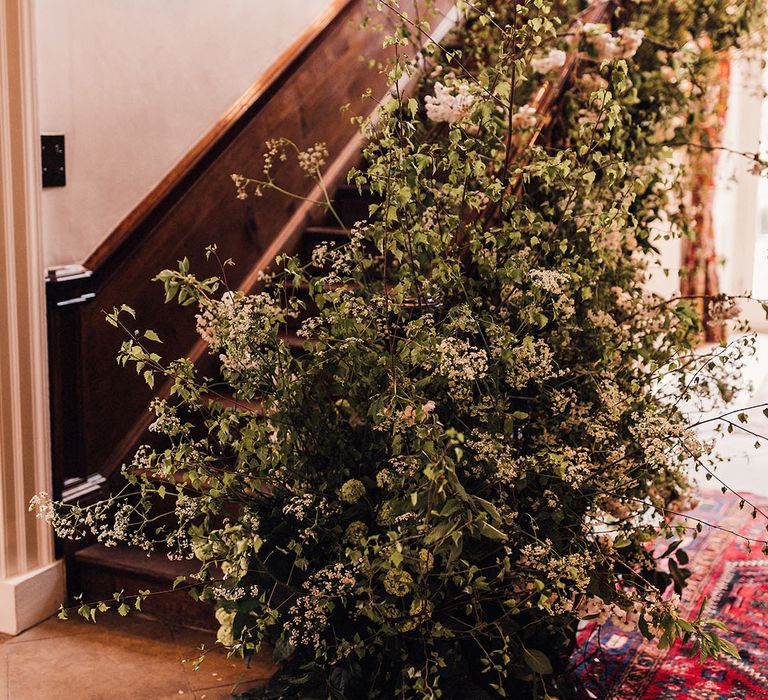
(326, 231)
(131, 560)
(293, 340)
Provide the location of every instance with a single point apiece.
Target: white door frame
(31, 580)
(736, 206)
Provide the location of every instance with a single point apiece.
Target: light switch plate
(54, 165)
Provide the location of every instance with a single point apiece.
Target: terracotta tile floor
(133, 658)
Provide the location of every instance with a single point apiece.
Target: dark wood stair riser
(97, 572)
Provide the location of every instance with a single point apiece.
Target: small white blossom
(525, 117)
(449, 104)
(553, 60)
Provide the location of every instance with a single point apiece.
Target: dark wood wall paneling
(99, 410)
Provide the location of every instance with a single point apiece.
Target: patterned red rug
(616, 665)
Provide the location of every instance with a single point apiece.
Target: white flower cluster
(594, 608)
(532, 361)
(462, 364)
(554, 59)
(43, 506)
(556, 568)
(525, 118)
(236, 324)
(493, 452)
(627, 618)
(614, 401)
(653, 433)
(167, 422)
(609, 46)
(186, 507)
(309, 615)
(449, 104)
(576, 465)
(228, 593)
(300, 507)
(554, 283)
(241, 184)
(676, 67)
(601, 320)
(74, 522)
(313, 159)
(550, 281)
(587, 83)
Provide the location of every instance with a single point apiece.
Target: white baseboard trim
(29, 598)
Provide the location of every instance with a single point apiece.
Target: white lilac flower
(449, 104)
(591, 82)
(607, 46)
(553, 60)
(630, 40)
(594, 608)
(524, 118)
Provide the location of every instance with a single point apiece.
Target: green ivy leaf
(538, 662)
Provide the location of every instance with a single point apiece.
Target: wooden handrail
(165, 193)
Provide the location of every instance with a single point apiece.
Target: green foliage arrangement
(488, 428)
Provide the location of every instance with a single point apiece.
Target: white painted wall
(740, 193)
(133, 85)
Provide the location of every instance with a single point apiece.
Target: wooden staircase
(97, 571)
(94, 433)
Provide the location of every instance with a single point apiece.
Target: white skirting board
(30, 598)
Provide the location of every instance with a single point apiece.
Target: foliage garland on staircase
(486, 426)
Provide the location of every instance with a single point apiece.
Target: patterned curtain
(699, 257)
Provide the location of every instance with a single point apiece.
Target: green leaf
(124, 609)
(440, 531)
(489, 508)
(151, 335)
(538, 662)
(489, 531)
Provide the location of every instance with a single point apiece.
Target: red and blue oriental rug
(617, 665)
